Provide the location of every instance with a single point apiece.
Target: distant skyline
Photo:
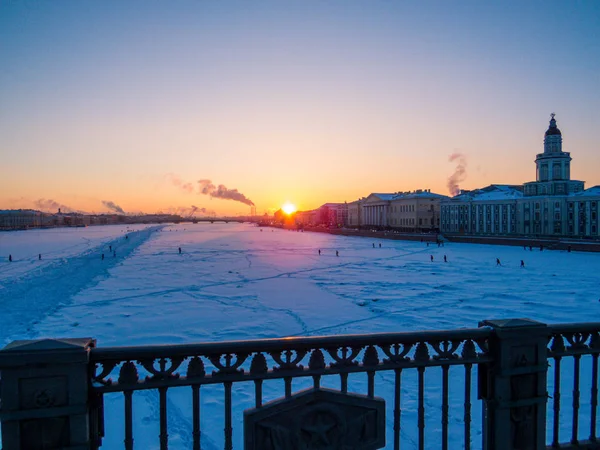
(153, 107)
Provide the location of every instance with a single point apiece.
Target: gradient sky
(301, 101)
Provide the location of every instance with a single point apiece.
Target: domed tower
(553, 167)
(553, 164)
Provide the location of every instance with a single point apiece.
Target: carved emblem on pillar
(317, 419)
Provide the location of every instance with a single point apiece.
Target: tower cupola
(553, 137)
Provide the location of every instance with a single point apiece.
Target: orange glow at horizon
(289, 208)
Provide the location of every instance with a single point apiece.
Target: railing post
(513, 386)
(44, 394)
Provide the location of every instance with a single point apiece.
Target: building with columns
(375, 210)
(553, 205)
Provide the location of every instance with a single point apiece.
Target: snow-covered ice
(234, 281)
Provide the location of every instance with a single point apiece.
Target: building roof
(417, 194)
(19, 211)
(594, 191)
(386, 197)
(492, 192)
(331, 205)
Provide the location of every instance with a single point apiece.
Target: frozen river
(234, 281)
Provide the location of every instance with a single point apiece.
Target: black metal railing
(580, 342)
(167, 367)
(424, 383)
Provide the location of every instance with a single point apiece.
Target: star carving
(318, 429)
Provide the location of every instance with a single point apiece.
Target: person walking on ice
(431, 256)
(522, 263)
(380, 245)
(319, 252)
(337, 253)
(39, 257)
(180, 250)
(9, 258)
(445, 259)
(102, 256)
(498, 262)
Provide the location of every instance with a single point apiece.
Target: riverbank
(546, 243)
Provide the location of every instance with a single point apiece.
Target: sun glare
(288, 208)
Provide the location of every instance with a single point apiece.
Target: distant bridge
(240, 219)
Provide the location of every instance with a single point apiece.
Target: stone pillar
(44, 394)
(513, 386)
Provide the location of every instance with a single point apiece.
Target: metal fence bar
(445, 370)
(575, 428)
(128, 420)
(397, 407)
(467, 416)
(421, 408)
(164, 436)
(344, 382)
(556, 403)
(594, 397)
(228, 429)
(196, 433)
(258, 393)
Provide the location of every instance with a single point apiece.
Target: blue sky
(306, 101)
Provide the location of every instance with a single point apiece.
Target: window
(557, 205)
(420, 221)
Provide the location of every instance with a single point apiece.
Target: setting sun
(288, 208)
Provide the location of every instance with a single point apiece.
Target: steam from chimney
(176, 181)
(49, 205)
(113, 206)
(460, 173)
(208, 188)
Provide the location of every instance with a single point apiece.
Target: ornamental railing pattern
(573, 351)
(391, 390)
(162, 367)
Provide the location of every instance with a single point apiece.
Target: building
(375, 210)
(332, 214)
(20, 219)
(306, 218)
(553, 205)
(417, 211)
(490, 210)
(355, 213)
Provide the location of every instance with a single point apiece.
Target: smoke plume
(176, 181)
(460, 173)
(208, 188)
(189, 212)
(113, 206)
(49, 205)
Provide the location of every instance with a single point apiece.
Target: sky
(131, 104)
